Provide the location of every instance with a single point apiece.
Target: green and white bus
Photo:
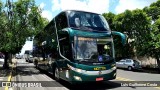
(77, 46)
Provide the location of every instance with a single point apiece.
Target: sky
(50, 8)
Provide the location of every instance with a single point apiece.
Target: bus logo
(100, 72)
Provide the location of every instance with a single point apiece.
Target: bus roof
(81, 11)
(77, 11)
(68, 11)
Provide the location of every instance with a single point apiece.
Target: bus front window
(85, 48)
(87, 21)
(90, 50)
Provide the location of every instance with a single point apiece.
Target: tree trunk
(43, 55)
(6, 64)
(158, 63)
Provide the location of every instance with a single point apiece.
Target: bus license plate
(99, 79)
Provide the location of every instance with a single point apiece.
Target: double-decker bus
(77, 46)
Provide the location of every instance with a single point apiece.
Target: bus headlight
(77, 78)
(78, 70)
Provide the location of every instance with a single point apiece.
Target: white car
(129, 64)
(1, 59)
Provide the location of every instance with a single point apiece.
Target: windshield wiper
(86, 28)
(75, 28)
(82, 60)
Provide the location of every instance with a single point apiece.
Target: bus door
(66, 54)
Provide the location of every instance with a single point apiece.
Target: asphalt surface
(27, 72)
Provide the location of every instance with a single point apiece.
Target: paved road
(27, 72)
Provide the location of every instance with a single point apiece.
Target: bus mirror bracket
(123, 36)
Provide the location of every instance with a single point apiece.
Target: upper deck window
(87, 21)
(61, 21)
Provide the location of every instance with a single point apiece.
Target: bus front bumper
(93, 76)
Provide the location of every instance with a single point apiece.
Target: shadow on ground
(31, 70)
(86, 86)
(92, 85)
(25, 71)
(4, 72)
(150, 70)
(145, 70)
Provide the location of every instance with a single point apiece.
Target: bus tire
(56, 74)
(36, 63)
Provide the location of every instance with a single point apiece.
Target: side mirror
(123, 37)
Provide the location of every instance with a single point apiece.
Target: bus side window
(66, 49)
(52, 53)
(61, 21)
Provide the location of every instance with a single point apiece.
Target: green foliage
(135, 24)
(153, 10)
(110, 17)
(154, 41)
(151, 45)
(142, 28)
(19, 20)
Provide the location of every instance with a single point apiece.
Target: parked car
(129, 64)
(26, 59)
(1, 59)
(30, 59)
(18, 57)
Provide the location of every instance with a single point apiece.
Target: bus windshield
(87, 21)
(92, 50)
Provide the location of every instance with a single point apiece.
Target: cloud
(56, 5)
(132, 4)
(47, 14)
(42, 5)
(101, 6)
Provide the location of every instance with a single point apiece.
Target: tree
(153, 10)
(151, 46)
(155, 43)
(110, 17)
(21, 19)
(123, 23)
(135, 24)
(142, 28)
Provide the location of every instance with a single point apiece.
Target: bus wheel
(36, 65)
(56, 74)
